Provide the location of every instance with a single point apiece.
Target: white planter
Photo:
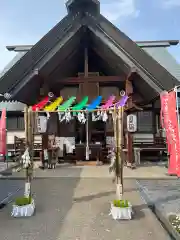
(23, 211)
(121, 213)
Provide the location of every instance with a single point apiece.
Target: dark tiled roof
(158, 75)
(30, 59)
(163, 57)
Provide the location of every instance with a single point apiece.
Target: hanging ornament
(68, 116)
(81, 118)
(63, 117)
(104, 116)
(60, 114)
(26, 159)
(94, 117)
(51, 94)
(7, 96)
(48, 115)
(98, 116)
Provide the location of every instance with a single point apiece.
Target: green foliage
(175, 222)
(121, 203)
(22, 201)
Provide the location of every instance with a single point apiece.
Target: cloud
(170, 3)
(116, 9)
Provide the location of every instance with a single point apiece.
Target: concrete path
(4, 166)
(143, 172)
(77, 208)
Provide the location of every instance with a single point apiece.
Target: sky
(25, 22)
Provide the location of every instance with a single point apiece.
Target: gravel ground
(73, 208)
(165, 194)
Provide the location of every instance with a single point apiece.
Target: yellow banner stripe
(54, 105)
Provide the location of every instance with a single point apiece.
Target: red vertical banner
(165, 116)
(174, 132)
(170, 123)
(3, 133)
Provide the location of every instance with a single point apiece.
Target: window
(15, 123)
(20, 123)
(145, 121)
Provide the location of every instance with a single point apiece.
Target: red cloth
(41, 104)
(3, 133)
(170, 123)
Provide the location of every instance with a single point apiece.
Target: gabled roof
(163, 57)
(107, 40)
(156, 49)
(12, 63)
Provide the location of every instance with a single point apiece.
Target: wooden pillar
(154, 121)
(26, 124)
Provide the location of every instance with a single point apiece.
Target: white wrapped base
(121, 213)
(23, 211)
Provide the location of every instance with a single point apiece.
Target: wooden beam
(104, 79)
(129, 91)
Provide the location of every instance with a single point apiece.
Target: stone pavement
(77, 208)
(3, 166)
(162, 194)
(142, 172)
(67, 170)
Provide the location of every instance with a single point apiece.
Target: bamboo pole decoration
(114, 124)
(87, 136)
(121, 124)
(29, 145)
(33, 124)
(119, 157)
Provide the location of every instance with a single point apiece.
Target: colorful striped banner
(41, 104)
(52, 106)
(94, 104)
(67, 104)
(108, 103)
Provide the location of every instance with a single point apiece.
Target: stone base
(121, 213)
(23, 211)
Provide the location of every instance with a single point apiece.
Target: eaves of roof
(165, 59)
(156, 72)
(159, 43)
(33, 56)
